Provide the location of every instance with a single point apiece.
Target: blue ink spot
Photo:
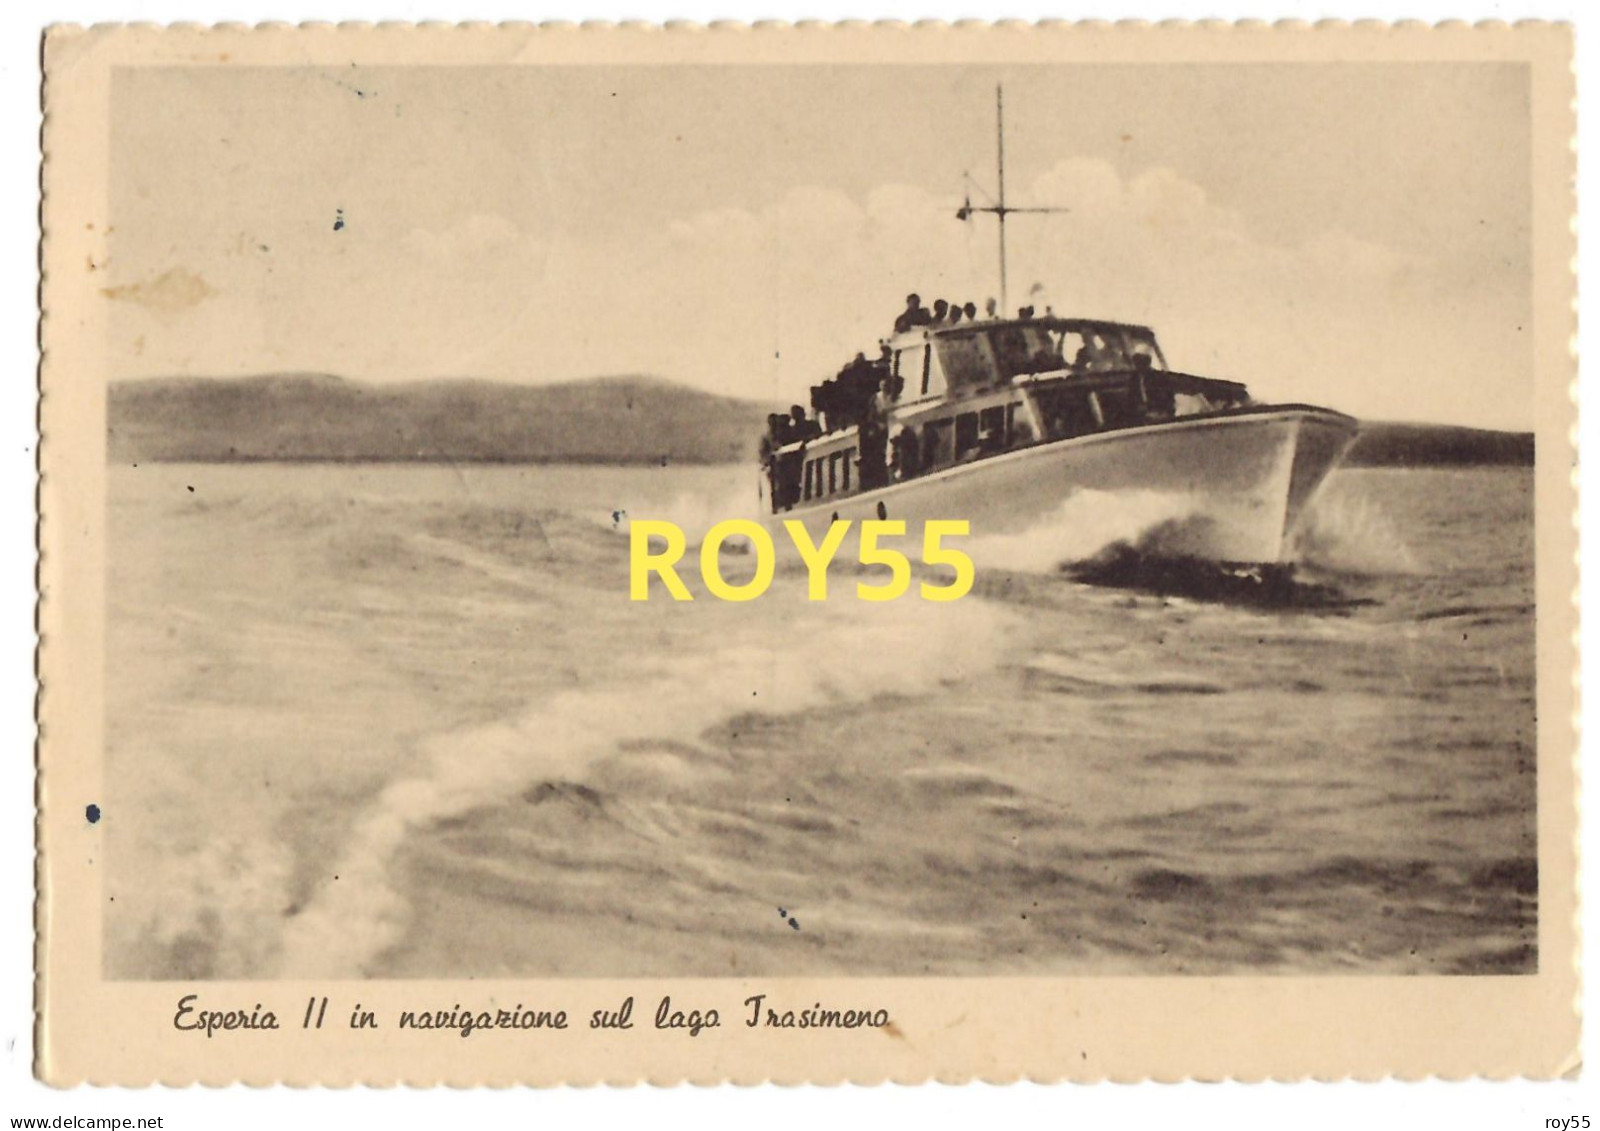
(338, 219)
(795, 923)
(93, 813)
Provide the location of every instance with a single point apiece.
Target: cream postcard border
(996, 1029)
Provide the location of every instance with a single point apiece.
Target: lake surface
(404, 721)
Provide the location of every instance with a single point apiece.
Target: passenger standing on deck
(873, 466)
(904, 457)
(776, 436)
(858, 381)
(792, 463)
(971, 311)
(783, 468)
(799, 427)
(884, 367)
(777, 424)
(822, 406)
(913, 316)
(930, 446)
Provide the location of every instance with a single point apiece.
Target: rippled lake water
(403, 721)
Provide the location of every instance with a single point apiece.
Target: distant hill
(308, 416)
(320, 417)
(1388, 444)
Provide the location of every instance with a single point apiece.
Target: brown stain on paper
(171, 292)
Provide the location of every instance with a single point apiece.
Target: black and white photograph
(781, 518)
(379, 705)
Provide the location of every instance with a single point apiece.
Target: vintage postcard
(818, 554)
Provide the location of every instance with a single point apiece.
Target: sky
(1355, 235)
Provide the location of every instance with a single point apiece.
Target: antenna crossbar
(1000, 209)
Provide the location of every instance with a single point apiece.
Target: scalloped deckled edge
(804, 25)
(768, 26)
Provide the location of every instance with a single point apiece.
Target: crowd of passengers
(883, 460)
(863, 388)
(947, 313)
(863, 393)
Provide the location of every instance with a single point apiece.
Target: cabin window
(966, 444)
(938, 443)
(811, 474)
(1117, 408)
(967, 361)
(1108, 349)
(1024, 349)
(994, 431)
(1066, 412)
(911, 372)
(1142, 354)
(849, 458)
(1092, 349)
(1141, 344)
(1106, 354)
(1073, 349)
(911, 369)
(908, 363)
(934, 380)
(1160, 402)
(833, 472)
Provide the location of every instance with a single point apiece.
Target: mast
(1000, 208)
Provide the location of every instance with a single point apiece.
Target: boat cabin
(953, 394)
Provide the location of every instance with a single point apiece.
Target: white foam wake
(841, 651)
(694, 512)
(1345, 530)
(1085, 523)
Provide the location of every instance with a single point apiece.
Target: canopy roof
(949, 329)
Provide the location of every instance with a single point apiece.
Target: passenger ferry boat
(999, 421)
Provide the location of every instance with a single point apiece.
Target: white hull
(1241, 482)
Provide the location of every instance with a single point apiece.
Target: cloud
(472, 236)
(766, 302)
(770, 301)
